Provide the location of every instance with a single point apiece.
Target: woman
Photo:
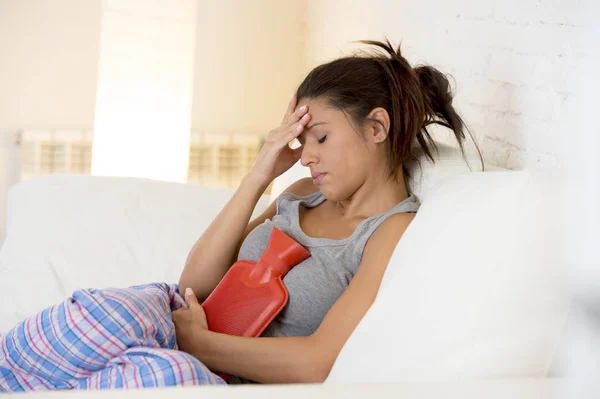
(358, 120)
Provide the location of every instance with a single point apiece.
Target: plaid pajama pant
(100, 339)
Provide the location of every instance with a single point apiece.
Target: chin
(331, 195)
(326, 193)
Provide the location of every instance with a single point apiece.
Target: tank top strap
(286, 202)
(409, 205)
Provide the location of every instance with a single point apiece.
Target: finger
(297, 128)
(298, 115)
(190, 298)
(290, 109)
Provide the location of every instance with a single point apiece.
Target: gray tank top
(317, 282)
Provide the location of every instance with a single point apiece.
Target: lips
(317, 177)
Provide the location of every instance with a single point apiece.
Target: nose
(308, 155)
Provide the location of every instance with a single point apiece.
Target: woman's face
(333, 147)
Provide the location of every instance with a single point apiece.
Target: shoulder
(385, 238)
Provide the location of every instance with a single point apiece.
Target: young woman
(358, 120)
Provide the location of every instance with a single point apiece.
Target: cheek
(345, 151)
(353, 157)
(347, 164)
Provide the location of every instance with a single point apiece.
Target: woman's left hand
(189, 323)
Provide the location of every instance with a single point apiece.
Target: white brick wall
(516, 63)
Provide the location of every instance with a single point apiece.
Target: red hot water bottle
(251, 294)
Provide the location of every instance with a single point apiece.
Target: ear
(380, 125)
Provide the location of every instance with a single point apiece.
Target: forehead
(320, 111)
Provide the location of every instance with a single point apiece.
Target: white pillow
(449, 162)
(472, 289)
(69, 232)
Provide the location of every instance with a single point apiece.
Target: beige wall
(332, 26)
(48, 62)
(249, 59)
(48, 70)
(248, 62)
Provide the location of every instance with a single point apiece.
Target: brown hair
(413, 97)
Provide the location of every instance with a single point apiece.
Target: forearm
(213, 253)
(264, 360)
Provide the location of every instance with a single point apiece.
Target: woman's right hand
(276, 156)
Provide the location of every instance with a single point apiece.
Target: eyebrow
(315, 124)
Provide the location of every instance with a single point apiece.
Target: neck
(378, 194)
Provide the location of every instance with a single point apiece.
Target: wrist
(201, 342)
(256, 181)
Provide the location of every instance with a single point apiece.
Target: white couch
(473, 290)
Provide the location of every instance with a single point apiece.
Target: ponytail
(439, 109)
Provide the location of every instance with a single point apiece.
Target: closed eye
(322, 140)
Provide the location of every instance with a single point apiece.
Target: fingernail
(303, 108)
(188, 291)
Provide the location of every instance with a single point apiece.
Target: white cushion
(69, 232)
(473, 287)
(449, 162)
